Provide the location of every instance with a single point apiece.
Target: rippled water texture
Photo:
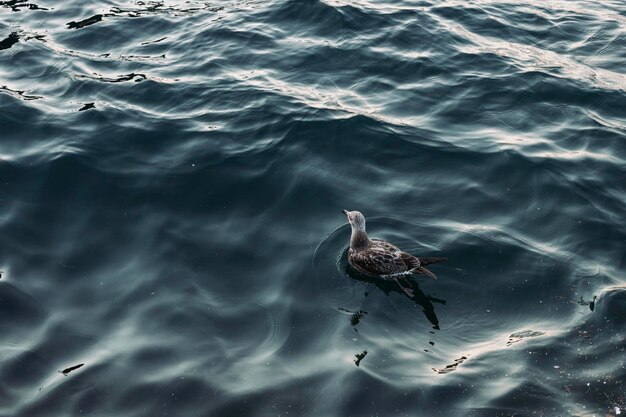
(172, 176)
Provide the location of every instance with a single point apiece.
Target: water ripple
(171, 180)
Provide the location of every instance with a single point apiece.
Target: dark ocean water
(172, 176)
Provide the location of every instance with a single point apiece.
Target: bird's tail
(422, 270)
(428, 261)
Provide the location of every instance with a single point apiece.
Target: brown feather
(382, 258)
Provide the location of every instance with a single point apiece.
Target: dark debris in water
(451, 367)
(87, 106)
(71, 368)
(524, 334)
(9, 41)
(359, 357)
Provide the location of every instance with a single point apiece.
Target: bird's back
(382, 258)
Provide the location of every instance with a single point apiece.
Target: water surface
(172, 176)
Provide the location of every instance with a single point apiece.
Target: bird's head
(356, 219)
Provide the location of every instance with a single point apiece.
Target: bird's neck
(359, 240)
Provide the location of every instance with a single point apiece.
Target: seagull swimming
(376, 257)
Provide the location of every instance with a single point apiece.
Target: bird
(375, 257)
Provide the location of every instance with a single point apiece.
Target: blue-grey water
(172, 176)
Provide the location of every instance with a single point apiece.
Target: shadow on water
(389, 286)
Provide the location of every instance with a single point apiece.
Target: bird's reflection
(406, 286)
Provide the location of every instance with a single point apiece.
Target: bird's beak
(345, 212)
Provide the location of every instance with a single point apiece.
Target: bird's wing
(381, 262)
(409, 260)
(377, 263)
